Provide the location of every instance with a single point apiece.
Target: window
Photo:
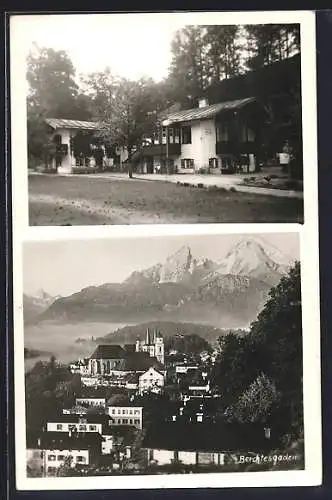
(124, 412)
(59, 427)
(130, 412)
(61, 457)
(51, 458)
(80, 459)
(136, 421)
(156, 138)
(82, 428)
(186, 135)
(113, 411)
(130, 420)
(213, 162)
(136, 412)
(187, 163)
(177, 136)
(222, 133)
(51, 470)
(125, 421)
(164, 135)
(92, 427)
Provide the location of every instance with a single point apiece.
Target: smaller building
(72, 424)
(126, 414)
(91, 402)
(151, 381)
(56, 448)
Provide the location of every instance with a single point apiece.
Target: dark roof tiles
(108, 351)
(208, 111)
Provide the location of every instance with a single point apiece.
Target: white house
(63, 134)
(209, 137)
(186, 457)
(81, 425)
(151, 381)
(126, 415)
(92, 402)
(54, 448)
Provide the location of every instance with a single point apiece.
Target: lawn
(56, 200)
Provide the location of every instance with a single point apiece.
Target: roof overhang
(207, 112)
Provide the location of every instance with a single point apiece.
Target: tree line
(128, 110)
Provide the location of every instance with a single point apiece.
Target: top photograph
(153, 119)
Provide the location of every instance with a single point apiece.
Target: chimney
(202, 102)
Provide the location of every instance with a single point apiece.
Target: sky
(62, 267)
(131, 47)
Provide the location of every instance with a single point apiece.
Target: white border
(309, 265)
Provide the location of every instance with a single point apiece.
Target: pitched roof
(141, 362)
(72, 124)
(129, 347)
(108, 351)
(208, 111)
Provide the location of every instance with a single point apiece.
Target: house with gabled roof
(237, 123)
(64, 133)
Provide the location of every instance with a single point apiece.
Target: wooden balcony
(160, 150)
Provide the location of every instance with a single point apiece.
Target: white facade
(90, 401)
(55, 458)
(126, 415)
(202, 147)
(73, 426)
(164, 457)
(151, 380)
(107, 445)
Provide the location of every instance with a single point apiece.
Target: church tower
(159, 348)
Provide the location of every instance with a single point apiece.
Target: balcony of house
(235, 137)
(163, 142)
(161, 150)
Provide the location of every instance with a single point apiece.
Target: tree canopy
(260, 375)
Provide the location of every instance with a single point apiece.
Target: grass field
(56, 200)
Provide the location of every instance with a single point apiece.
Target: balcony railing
(160, 150)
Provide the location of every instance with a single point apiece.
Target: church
(138, 357)
(153, 345)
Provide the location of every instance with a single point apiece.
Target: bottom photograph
(163, 355)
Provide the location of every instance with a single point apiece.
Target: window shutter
(182, 163)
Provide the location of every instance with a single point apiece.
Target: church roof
(141, 362)
(108, 351)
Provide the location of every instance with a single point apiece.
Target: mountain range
(36, 304)
(227, 293)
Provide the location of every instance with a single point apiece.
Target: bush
(232, 189)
